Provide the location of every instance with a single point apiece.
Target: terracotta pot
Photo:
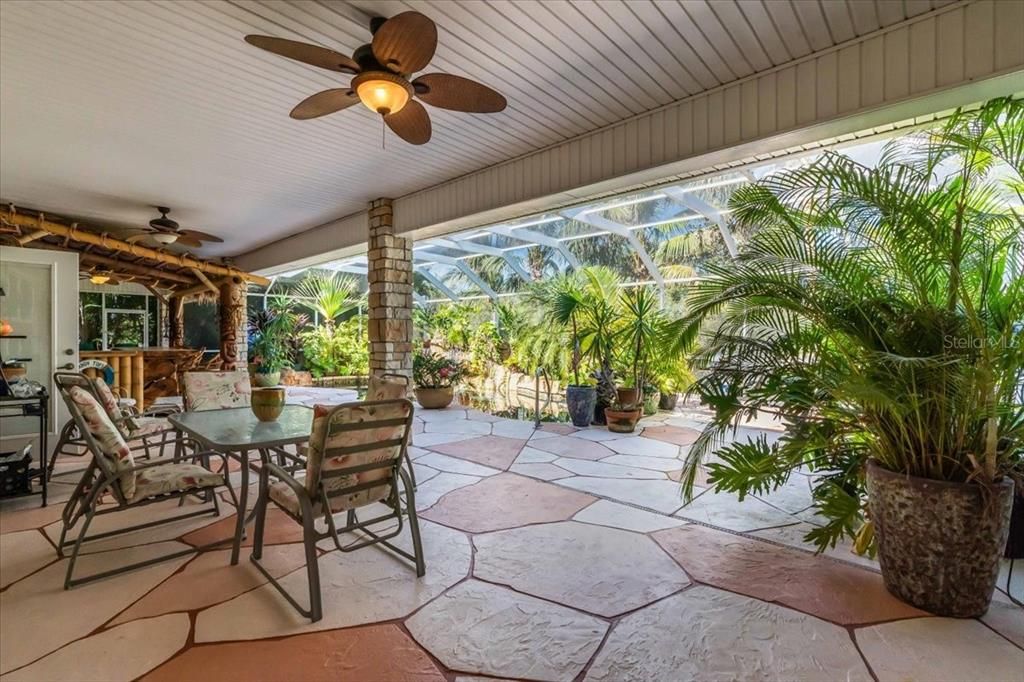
(628, 397)
(939, 543)
(668, 401)
(622, 421)
(266, 379)
(580, 402)
(434, 398)
(267, 403)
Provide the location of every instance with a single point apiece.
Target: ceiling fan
(165, 231)
(97, 276)
(401, 45)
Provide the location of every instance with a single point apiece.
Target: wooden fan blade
(305, 53)
(190, 242)
(323, 103)
(458, 94)
(137, 237)
(200, 236)
(412, 123)
(405, 43)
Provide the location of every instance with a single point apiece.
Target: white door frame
(63, 322)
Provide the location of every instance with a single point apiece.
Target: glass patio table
(236, 432)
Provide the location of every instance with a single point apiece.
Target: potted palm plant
(269, 349)
(565, 302)
(878, 312)
(435, 378)
(640, 329)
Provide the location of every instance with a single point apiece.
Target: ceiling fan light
(164, 237)
(99, 279)
(382, 92)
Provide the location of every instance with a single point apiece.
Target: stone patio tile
(672, 434)
(211, 579)
(424, 473)
(506, 501)
(624, 570)
(360, 587)
(561, 429)
(123, 653)
(615, 515)
(416, 452)
(429, 492)
(481, 628)
(794, 537)
(817, 585)
(661, 496)
(492, 451)
(931, 649)
(478, 416)
(13, 520)
(564, 446)
(364, 654)
(541, 434)
(429, 440)
(640, 445)
(1016, 577)
(23, 553)
(542, 470)
(793, 497)
(663, 464)
(457, 426)
(279, 530)
(598, 434)
(513, 429)
(455, 465)
(447, 414)
(531, 455)
(602, 469)
(1007, 619)
(726, 511)
(40, 616)
(417, 427)
(709, 634)
(477, 678)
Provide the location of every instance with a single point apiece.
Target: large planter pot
(939, 543)
(622, 421)
(628, 397)
(266, 379)
(267, 403)
(580, 402)
(435, 398)
(668, 401)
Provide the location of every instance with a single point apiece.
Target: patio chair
(355, 459)
(137, 428)
(387, 387)
(216, 390)
(113, 471)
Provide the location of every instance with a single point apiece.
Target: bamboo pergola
(171, 275)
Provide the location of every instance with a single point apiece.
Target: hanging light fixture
(382, 92)
(99, 279)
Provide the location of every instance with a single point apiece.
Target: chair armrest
(160, 410)
(173, 460)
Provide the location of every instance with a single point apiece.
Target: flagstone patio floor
(552, 554)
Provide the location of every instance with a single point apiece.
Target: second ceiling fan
(401, 46)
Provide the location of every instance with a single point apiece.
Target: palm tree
(329, 295)
(877, 311)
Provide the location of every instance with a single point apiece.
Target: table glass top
(238, 428)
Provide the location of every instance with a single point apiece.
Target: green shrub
(336, 350)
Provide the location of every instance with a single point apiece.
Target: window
(114, 320)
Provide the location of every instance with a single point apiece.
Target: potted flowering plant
(435, 378)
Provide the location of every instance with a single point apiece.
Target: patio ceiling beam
(538, 239)
(695, 203)
(470, 247)
(438, 284)
(621, 230)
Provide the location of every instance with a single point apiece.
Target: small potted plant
(435, 378)
(269, 331)
(643, 325)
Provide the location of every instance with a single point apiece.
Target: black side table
(34, 406)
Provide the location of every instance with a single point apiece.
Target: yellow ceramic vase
(267, 403)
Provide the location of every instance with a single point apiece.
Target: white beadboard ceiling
(109, 108)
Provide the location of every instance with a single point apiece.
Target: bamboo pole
(137, 380)
(135, 269)
(32, 222)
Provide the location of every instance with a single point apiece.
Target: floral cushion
(322, 458)
(217, 390)
(147, 426)
(110, 404)
(113, 449)
(387, 388)
(170, 478)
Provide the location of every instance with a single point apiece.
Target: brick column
(390, 296)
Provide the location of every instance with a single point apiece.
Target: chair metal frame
(100, 479)
(408, 388)
(308, 512)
